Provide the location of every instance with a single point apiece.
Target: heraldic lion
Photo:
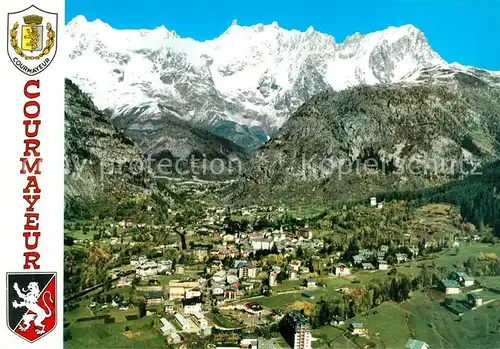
(30, 298)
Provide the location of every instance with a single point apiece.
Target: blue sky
(467, 32)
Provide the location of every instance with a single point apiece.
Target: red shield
(31, 308)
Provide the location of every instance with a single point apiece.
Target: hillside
(367, 139)
(477, 197)
(104, 172)
(165, 136)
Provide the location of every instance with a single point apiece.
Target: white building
(200, 320)
(249, 343)
(182, 322)
(342, 270)
(217, 290)
(302, 338)
(202, 323)
(193, 293)
(247, 271)
(147, 269)
(416, 344)
(192, 308)
(262, 244)
(228, 237)
(464, 279)
(192, 305)
(294, 265)
(450, 286)
(164, 266)
(219, 276)
(272, 278)
(176, 338)
(134, 261)
(167, 327)
(382, 265)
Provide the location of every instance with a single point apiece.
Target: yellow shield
(32, 37)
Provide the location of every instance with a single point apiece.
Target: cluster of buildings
(457, 281)
(145, 268)
(292, 271)
(189, 318)
(242, 244)
(364, 257)
(229, 284)
(195, 323)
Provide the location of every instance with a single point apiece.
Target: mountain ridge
(245, 83)
(104, 175)
(426, 131)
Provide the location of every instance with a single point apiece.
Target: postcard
(250, 174)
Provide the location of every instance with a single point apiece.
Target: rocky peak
(253, 76)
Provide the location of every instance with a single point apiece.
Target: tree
(281, 277)
(404, 288)
(68, 240)
(393, 271)
(118, 298)
(107, 283)
(142, 309)
(67, 335)
(274, 250)
(425, 277)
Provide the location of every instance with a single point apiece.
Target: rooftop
(297, 318)
(475, 295)
(450, 283)
(191, 301)
(415, 344)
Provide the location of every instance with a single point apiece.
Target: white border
(51, 180)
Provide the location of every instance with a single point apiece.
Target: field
(290, 290)
(223, 321)
(423, 317)
(449, 258)
(391, 325)
(96, 334)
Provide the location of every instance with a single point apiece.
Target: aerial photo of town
(273, 187)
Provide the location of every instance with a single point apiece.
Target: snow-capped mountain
(242, 85)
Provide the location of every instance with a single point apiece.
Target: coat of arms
(31, 308)
(32, 41)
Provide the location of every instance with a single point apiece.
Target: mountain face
(104, 170)
(242, 85)
(434, 126)
(166, 139)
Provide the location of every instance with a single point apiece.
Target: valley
(273, 183)
(225, 249)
